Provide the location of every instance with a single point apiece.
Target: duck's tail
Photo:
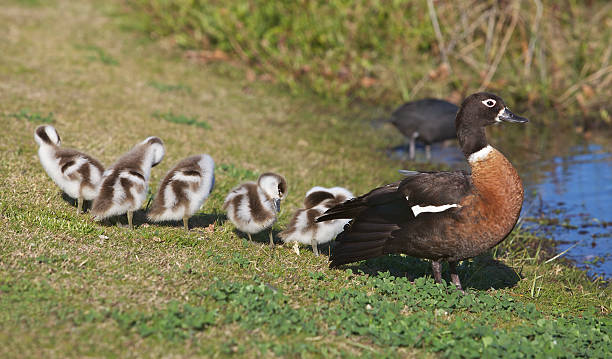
(360, 241)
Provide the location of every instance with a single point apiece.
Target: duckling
(125, 183)
(77, 174)
(303, 228)
(441, 216)
(253, 207)
(184, 189)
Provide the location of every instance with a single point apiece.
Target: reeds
(545, 54)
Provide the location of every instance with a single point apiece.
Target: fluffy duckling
(77, 174)
(184, 189)
(304, 229)
(253, 207)
(124, 184)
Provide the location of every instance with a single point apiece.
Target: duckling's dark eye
(489, 102)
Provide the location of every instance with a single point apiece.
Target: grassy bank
(72, 287)
(543, 55)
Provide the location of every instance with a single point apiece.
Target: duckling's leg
(296, 248)
(428, 152)
(271, 239)
(80, 205)
(454, 275)
(436, 268)
(313, 243)
(250, 239)
(130, 215)
(186, 222)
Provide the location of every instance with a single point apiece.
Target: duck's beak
(277, 204)
(508, 116)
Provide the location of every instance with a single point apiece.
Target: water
(571, 196)
(568, 196)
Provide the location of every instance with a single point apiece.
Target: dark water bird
(441, 216)
(429, 120)
(253, 207)
(183, 190)
(76, 173)
(125, 183)
(304, 229)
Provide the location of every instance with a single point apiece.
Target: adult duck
(441, 216)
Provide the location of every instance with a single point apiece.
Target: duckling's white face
(274, 186)
(157, 148)
(271, 185)
(46, 135)
(158, 153)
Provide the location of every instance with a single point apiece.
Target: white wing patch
(432, 209)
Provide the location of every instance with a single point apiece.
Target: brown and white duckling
(441, 216)
(124, 185)
(183, 190)
(253, 207)
(303, 227)
(77, 174)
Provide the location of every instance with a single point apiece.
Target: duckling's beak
(508, 116)
(277, 204)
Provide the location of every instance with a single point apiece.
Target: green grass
(96, 53)
(163, 87)
(181, 119)
(72, 287)
(34, 117)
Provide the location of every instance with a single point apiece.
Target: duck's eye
(489, 102)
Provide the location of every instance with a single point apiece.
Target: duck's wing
(355, 206)
(384, 217)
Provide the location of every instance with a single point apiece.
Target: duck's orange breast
(489, 215)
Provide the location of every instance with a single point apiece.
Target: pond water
(572, 199)
(568, 196)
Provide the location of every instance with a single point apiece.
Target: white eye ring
(489, 102)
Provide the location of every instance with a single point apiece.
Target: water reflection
(575, 191)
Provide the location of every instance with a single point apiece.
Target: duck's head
(156, 146)
(47, 135)
(478, 111)
(273, 185)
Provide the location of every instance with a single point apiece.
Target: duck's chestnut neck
(471, 139)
